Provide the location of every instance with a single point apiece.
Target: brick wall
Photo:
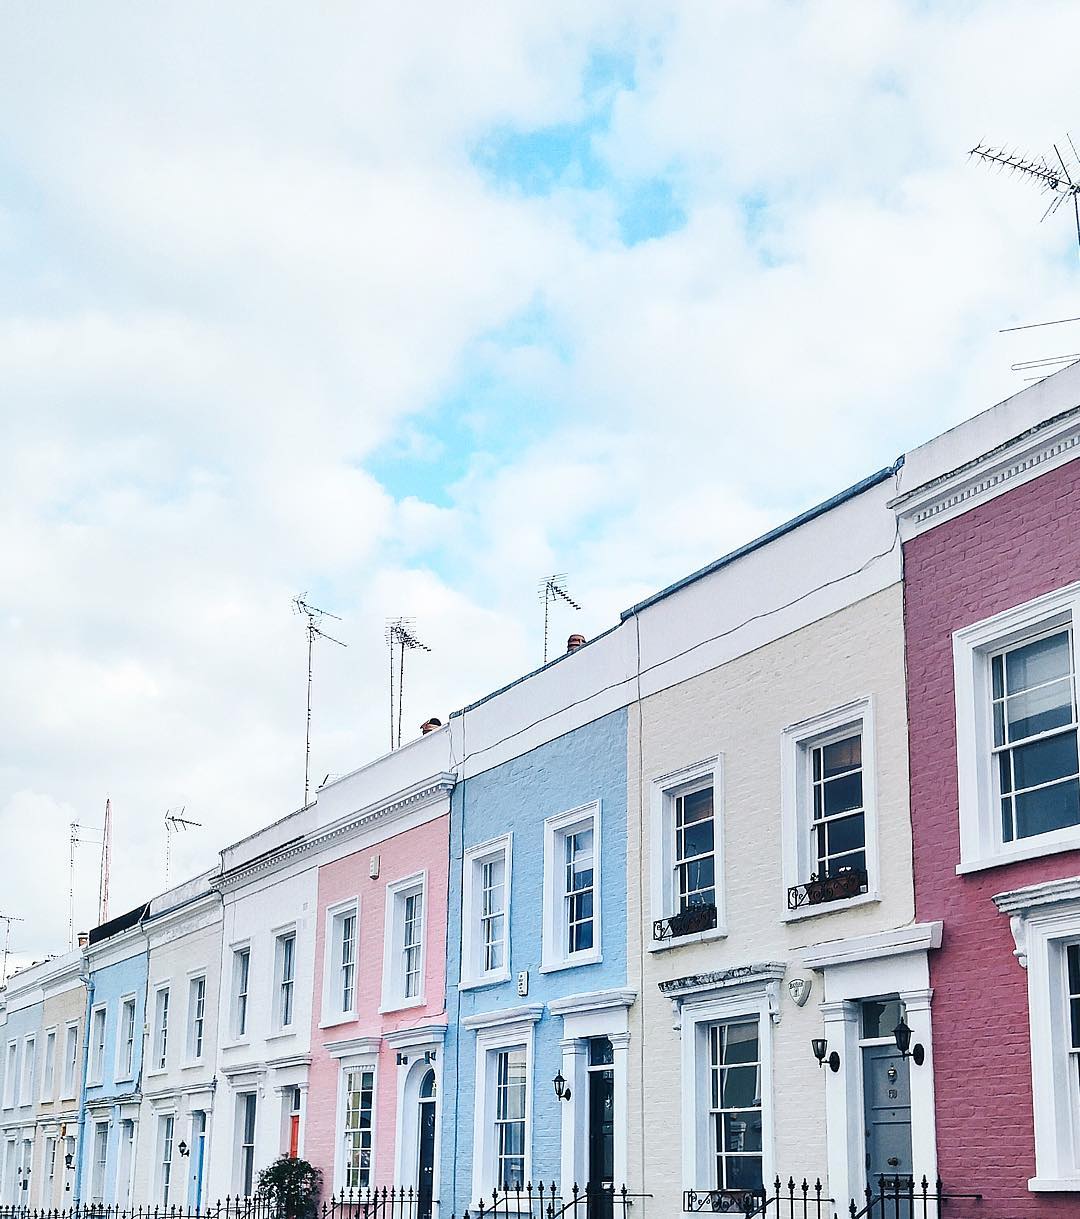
(1001, 554)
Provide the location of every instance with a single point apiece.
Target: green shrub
(291, 1187)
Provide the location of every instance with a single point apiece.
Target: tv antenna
(1055, 180)
(553, 589)
(106, 865)
(175, 823)
(314, 617)
(7, 920)
(76, 838)
(401, 638)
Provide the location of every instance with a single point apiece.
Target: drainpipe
(87, 981)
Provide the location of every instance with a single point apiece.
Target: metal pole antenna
(73, 841)
(174, 823)
(314, 616)
(106, 865)
(7, 919)
(400, 633)
(552, 589)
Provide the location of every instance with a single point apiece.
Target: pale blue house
(534, 1072)
(117, 960)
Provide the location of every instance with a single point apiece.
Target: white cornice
(530, 1013)
(367, 1046)
(427, 791)
(1018, 461)
(592, 1001)
(425, 1034)
(918, 937)
(1046, 893)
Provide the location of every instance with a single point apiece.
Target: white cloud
(246, 249)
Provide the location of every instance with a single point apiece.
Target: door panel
(887, 1099)
(426, 1159)
(601, 1143)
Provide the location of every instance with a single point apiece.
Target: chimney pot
(430, 725)
(574, 642)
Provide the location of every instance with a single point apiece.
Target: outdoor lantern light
(183, 1149)
(819, 1046)
(562, 1092)
(69, 1160)
(902, 1033)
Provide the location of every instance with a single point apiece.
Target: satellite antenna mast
(75, 839)
(1055, 180)
(106, 865)
(552, 589)
(400, 635)
(7, 920)
(314, 617)
(175, 823)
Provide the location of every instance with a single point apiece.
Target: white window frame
(28, 1077)
(663, 791)
(48, 1065)
(981, 844)
(348, 1064)
(196, 1022)
(96, 1072)
(162, 1020)
(393, 978)
(71, 1060)
(164, 1174)
(554, 954)
(11, 1074)
(48, 1184)
(796, 802)
(496, 1031)
(332, 1010)
(241, 998)
(280, 936)
(241, 1144)
(99, 1167)
(125, 1069)
(696, 1018)
(476, 857)
(1045, 920)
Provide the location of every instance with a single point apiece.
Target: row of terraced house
(778, 876)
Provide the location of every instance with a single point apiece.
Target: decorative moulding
(918, 937)
(402, 802)
(530, 1013)
(353, 1045)
(1044, 899)
(592, 1001)
(764, 976)
(1019, 460)
(425, 1034)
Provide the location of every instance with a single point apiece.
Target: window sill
(1048, 1185)
(332, 1022)
(194, 1065)
(156, 1071)
(590, 958)
(281, 1034)
(845, 903)
(404, 1006)
(698, 937)
(129, 1078)
(481, 983)
(1036, 850)
(238, 1044)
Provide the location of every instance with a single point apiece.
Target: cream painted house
(63, 1013)
(771, 890)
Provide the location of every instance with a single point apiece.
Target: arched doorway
(425, 1126)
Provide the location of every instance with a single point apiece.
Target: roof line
(803, 518)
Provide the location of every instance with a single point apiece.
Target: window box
(847, 883)
(691, 921)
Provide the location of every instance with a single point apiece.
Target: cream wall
(740, 711)
(65, 1003)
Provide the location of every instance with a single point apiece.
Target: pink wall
(423, 848)
(1024, 543)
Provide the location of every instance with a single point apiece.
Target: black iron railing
(848, 882)
(687, 922)
(903, 1198)
(790, 1201)
(723, 1201)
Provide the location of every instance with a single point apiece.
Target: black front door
(601, 1131)
(426, 1158)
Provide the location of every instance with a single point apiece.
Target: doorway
(886, 1095)
(426, 1146)
(600, 1186)
(198, 1156)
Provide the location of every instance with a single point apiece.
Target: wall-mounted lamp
(402, 1059)
(184, 1149)
(903, 1043)
(819, 1045)
(429, 1056)
(562, 1092)
(69, 1160)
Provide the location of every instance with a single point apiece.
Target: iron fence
(903, 1198)
(530, 1201)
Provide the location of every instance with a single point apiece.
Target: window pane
(880, 1017)
(740, 1086)
(1074, 969)
(1041, 661)
(742, 1131)
(997, 671)
(1048, 808)
(842, 794)
(842, 756)
(846, 834)
(743, 1172)
(740, 1043)
(1044, 761)
(696, 839)
(696, 807)
(601, 1053)
(1039, 710)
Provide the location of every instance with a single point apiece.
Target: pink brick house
(378, 1011)
(990, 518)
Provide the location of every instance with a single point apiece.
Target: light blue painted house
(117, 960)
(537, 995)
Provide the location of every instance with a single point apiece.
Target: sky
(408, 306)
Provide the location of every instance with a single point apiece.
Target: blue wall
(585, 765)
(109, 986)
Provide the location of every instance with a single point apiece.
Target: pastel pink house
(378, 1016)
(990, 514)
